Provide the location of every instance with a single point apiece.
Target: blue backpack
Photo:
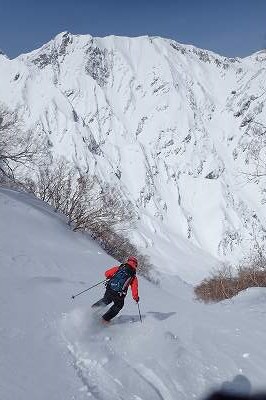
(122, 278)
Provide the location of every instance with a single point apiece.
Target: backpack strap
(130, 279)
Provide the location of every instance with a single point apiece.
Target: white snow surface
(55, 348)
(175, 128)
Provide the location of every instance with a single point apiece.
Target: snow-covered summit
(174, 127)
(2, 54)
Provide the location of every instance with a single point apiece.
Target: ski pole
(83, 291)
(139, 313)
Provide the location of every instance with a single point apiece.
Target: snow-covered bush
(225, 284)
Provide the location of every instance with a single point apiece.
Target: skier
(119, 279)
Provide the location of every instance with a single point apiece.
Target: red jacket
(133, 283)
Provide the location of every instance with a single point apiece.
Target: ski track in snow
(113, 348)
(54, 347)
(132, 360)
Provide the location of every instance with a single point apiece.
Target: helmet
(133, 260)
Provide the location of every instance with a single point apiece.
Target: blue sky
(228, 27)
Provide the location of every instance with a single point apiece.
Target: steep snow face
(174, 127)
(55, 348)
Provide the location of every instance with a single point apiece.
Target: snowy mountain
(175, 128)
(54, 348)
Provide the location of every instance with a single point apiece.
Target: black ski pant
(110, 296)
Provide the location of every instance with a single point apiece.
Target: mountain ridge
(149, 37)
(174, 127)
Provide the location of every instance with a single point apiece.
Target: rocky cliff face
(176, 128)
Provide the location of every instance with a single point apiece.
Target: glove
(137, 299)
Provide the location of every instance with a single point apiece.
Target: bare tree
(257, 151)
(53, 184)
(88, 204)
(99, 207)
(17, 148)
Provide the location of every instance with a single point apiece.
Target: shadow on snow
(123, 319)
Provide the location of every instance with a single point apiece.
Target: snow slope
(174, 127)
(54, 348)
